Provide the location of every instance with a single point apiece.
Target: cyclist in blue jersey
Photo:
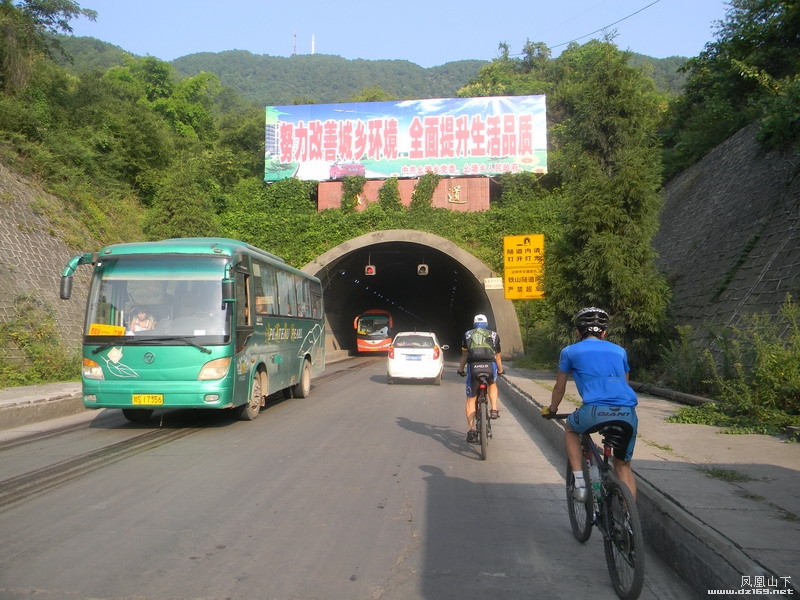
(600, 369)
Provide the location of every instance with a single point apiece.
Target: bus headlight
(91, 369)
(216, 369)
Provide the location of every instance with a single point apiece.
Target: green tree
(507, 76)
(240, 127)
(25, 26)
(184, 205)
(156, 77)
(748, 73)
(608, 160)
(372, 93)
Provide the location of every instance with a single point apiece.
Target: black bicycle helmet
(591, 320)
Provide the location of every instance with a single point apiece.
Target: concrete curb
(703, 558)
(646, 388)
(26, 412)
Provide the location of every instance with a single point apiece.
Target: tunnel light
(370, 270)
(422, 269)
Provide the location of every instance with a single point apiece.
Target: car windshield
(413, 341)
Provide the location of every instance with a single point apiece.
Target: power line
(606, 26)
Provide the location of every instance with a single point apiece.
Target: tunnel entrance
(443, 301)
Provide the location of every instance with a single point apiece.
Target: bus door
(244, 351)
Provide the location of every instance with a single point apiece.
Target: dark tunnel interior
(443, 301)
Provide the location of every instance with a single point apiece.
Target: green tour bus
(196, 323)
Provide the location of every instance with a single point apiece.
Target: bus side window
(303, 299)
(316, 300)
(262, 305)
(286, 294)
(264, 288)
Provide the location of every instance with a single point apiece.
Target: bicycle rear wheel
(623, 541)
(484, 429)
(580, 511)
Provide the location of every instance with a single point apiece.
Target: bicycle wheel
(484, 430)
(580, 511)
(623, 541)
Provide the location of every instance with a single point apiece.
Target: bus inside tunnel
(443, 301)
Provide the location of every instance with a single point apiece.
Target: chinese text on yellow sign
(523, 266)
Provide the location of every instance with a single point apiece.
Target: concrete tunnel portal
(443, 301)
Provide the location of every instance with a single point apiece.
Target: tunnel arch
(397, 252)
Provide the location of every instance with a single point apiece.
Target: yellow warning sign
(523, 266)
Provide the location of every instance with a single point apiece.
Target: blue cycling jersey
(599, 369)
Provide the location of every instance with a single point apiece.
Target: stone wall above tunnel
(347, 261)
(463, 194)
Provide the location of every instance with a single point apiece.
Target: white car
(415, 355)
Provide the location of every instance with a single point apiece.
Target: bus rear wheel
(249, 411)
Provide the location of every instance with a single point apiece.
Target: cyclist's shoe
(579, 493)
(472, 436)
(494, 414)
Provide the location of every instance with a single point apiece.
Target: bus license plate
(148, 399)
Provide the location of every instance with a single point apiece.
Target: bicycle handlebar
(464, 373)
(546, 414)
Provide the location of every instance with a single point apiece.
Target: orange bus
(373, 330)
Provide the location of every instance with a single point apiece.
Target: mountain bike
(482, 374)
(609, 506)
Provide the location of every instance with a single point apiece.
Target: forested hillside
(320, 78)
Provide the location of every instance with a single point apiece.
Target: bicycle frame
(483, 425)
(593, 456)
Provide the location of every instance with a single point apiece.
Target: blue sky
(425, 32)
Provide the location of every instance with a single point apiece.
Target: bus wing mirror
(66, 288)
(228, 294)
(66, 277)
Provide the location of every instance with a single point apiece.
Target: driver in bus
(142, 321)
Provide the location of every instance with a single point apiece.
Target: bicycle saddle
(615, 435)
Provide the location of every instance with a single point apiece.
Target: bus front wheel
(137, 415)
(303, 387)
(249, 411)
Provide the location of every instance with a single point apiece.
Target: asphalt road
(361, 491)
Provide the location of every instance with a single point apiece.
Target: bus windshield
(373, 326)
(158, 295)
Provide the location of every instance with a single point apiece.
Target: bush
(759, 390)
(32, 330)
(687, 368)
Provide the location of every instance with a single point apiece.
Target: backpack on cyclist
(479, 345)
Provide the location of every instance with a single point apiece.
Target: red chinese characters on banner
(338, 140)
(444, 136)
